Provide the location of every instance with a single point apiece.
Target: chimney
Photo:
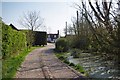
(66, 29)
(58, 32)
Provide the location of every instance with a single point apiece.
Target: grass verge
(11, 64)
(77, 67)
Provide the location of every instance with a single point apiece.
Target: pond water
(97, 66)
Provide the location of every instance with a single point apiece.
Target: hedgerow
(12, 41)
(61, 45)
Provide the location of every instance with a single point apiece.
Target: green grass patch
(71, 64)
(59, 54)
(66, 61)
(63, 58)
(11, 64)
(79, 68)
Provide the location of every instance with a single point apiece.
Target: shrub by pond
(66, 61)
(62, 57)
(75, 53)
(79, 68)
(61, 45)
(71, 64)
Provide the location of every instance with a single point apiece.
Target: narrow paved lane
(42, 63)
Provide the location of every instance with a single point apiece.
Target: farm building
(52, 37)
(13, 27)
(40, 37)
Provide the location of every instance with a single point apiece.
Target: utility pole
(58, 33)
(77, 24)
(66, 29)
(82, 29)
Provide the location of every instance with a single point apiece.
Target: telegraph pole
(77, 24)
(66, 29)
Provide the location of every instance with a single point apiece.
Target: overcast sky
(54, 12)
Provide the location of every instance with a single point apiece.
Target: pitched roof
(13, 27)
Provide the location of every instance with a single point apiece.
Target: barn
(40, 37)
(52, 37)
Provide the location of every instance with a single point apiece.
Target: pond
(97, 66)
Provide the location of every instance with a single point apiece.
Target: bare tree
(31, 20)
(70, 30)
(104, 16)
(101, 24)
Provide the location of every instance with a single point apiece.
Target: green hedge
(29, 37)
(40, 38)
(12, 41)
(61, 45)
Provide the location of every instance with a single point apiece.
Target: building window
(55, 36)
(48, 36)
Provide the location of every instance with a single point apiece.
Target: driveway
(42, 63)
